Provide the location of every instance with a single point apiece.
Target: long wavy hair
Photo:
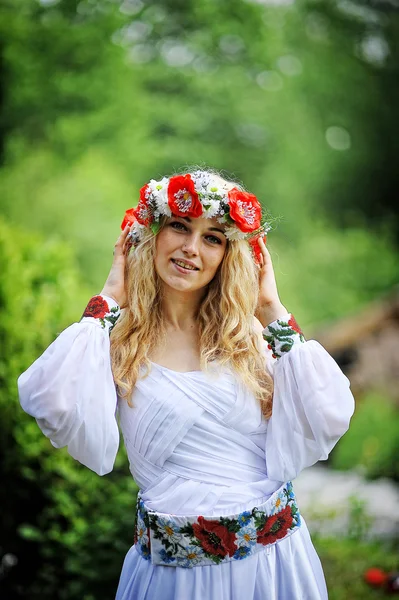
(225, 318)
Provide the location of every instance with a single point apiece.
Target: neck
(180, 308)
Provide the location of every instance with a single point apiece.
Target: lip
(182, 269)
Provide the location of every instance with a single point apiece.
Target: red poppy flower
(276, 527)
(245, 210)
(182, 198)
(142, 212)
(294, 325)
(214, 537)
(256, 251)
(375, 577)
(129, 218)
(97, 308)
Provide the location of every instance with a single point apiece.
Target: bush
(372, 441)
(345, 562)
(68, 528)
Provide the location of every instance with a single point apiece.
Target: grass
(344, 562)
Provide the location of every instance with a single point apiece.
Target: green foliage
(65, 524)
(329, 273)
(298, 100)
(345, 562)
(105, 101)
(359, 519)
(372, 441)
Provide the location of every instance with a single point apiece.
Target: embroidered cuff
(282, 335)
(104, 310)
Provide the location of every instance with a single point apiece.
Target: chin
(183, 286)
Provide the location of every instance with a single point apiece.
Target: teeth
(184, 265)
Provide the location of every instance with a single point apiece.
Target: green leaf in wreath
(155, 227)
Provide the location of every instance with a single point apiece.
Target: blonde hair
(225, 319)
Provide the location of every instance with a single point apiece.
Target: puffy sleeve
(312, 403)
(70, 389)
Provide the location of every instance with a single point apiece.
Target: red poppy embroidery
(97, 308)
(245, 210)
(183, 200)
(129, 218)
(142, 212)
(214, 537)
(276, 527)
(294, 325)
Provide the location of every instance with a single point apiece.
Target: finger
(124, 233)
(127, 245)
(119, 244)
(265, 252)
(121, 238)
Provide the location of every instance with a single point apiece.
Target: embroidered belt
(179, 541)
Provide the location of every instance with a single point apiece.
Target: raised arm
(70, 389)
(312, 401)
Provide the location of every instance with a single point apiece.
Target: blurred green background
(298, 100)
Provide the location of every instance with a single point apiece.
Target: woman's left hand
(269, 306)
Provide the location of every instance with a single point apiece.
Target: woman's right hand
(114, 286)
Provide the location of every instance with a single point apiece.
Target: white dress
(197, 445)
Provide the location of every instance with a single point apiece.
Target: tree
(68, 528)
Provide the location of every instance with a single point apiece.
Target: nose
(191, 245)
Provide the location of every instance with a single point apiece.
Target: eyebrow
(209, 228)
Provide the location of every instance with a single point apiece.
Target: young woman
(219, 410)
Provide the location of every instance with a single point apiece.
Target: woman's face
(189, 252)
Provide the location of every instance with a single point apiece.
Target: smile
(183, 265)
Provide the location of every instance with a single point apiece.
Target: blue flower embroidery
(280, 503)
(166, 557)
(246, 536)
(144, 550)
(141, 509)
(189, 556)
(242, 552)
(290, 491)
(168, 529)
(244, 517)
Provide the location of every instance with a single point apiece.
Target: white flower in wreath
(158, 191)
(189, 556)
(169, 530)
(246, 536)
(233, 234)
(213, 208)
(201, 181)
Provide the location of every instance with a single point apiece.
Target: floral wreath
(198, 194)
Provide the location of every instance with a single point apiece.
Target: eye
(213, 239)
(177, 225)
